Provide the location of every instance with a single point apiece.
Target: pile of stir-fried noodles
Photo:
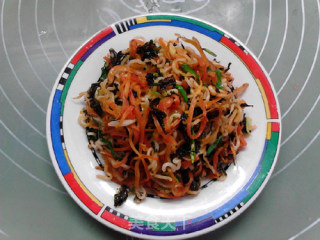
(164, 117)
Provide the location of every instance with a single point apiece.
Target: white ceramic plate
(155, 218)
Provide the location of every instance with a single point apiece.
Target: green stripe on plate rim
(266, 165)
(68, 83)
(177, 18)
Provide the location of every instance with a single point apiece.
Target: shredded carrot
(172, 124)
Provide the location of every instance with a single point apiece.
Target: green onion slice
(182, 92)
(186, 68)
(209, 51)
(214, 145)
(219, 83)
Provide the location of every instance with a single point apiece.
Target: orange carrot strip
(122, 68)
(169, 139)
(118, 134)
(143, 124)
(243, 142)
(148, 175)
(131, 142)
(164, 46)
(138, 114)
(137, 174)
(147, 156)
(123, 161)
(197, 45)
(133, 45)
(122, 149)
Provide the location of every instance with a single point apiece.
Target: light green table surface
(37, 38)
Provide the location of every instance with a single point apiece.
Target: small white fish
(124, 123)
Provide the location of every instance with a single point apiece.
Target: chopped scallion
(214, 145)
(156, 93)
(186, 68)
(219, 83)
(182, 92)
(209, 51)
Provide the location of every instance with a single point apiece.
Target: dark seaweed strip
(121, 196)
(148, 50)
(228, 68)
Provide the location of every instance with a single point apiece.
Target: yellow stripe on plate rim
(79, 181)
(264, 97)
